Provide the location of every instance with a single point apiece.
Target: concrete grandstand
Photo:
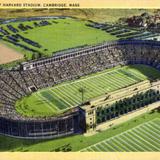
(48, 72)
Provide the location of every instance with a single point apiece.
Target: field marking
(125, 132)
(132, 142)
(39, 95)
(138, 75)
(59, 97)
(109, 146)
(124, 72)
(99, 89)
(155, 129)
(137, 133)
(91, 77)
(155, 125)
(117, 83)
(40, 99)
(106, 147)
(119, 145)
(137, 142)
(114, 79)
(140, 129)
(152, 130)
(97, 148)
(131, 148)
(68, 96)
(56, 97)
(140, 141)
(150, 135)
(46, 104)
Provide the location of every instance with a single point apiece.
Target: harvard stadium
(98, 82)
(79, 90)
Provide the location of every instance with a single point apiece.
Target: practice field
(53, 35)
(55, 100)
(145, 137)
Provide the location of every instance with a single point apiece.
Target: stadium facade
(71, 65)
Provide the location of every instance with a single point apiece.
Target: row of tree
(127, 105)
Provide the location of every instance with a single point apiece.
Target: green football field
(61, 34)
(57, 99)
(142, 138)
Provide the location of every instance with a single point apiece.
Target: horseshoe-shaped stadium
(70, 65)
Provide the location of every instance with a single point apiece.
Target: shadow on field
(12, 144)
(150, 72)
(25, 145)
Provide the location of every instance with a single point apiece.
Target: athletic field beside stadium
(145, 137)
(55, 100)
(56, 35)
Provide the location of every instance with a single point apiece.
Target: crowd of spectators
(14, 84)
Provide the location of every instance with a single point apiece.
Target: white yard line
(140, 140)
(118, 82)
(96, 148)
(60, 95)
(137, 133)
(132, 142)
(39, 95)
(127, 77)
(155, 124)
(119, 145)
(151, 129)
(130, 130)
(154, 139)
(154, 129)
(91, 77)
(136, 142)
(105, 146)
(127, 144)
(145, 133)
(109, 146)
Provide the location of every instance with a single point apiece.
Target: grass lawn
(67, 33)
(75, 143)
(64, 34)
(55, 100)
